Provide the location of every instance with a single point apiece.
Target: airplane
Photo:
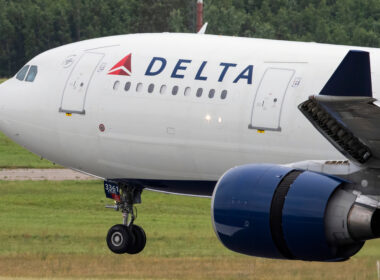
(282, 136)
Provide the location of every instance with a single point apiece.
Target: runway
(43, 174)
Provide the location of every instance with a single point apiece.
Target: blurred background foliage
(29, 27)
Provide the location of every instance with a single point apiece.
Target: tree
(29, 27)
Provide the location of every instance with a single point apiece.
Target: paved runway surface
(43, 174)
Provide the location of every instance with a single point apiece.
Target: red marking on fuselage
(123, 67)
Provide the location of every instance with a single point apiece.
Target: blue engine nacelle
(278, 212)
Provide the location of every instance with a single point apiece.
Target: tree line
(29, 27)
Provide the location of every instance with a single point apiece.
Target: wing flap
(351, 124)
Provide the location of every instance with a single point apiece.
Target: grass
(2, 80)
(57, 229)
(15, 156)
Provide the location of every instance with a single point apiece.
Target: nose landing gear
(127, 237)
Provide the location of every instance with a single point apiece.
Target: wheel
(140, 240)
(118, 239)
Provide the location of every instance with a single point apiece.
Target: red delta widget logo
(158, 64)
(123, 67)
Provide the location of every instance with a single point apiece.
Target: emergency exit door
(270, 95)
(74, 95)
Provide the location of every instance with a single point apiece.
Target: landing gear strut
(127, 237)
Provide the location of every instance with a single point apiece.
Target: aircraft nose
(2, 92)
(3, 84)
(4, 104)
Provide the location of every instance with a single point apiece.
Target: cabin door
(267, 106)
(74, 95)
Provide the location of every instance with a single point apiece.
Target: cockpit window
(32, 74)
(22, 73)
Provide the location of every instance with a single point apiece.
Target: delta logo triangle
(123, 67)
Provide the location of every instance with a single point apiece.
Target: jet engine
(279, 212)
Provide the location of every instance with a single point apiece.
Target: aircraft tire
(139, 238)
(118, 239)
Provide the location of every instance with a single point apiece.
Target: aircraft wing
(345, 112)
(351, 124)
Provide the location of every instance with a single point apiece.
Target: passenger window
(116, 85)
(175, 90)
(211, 93)
(139, 87)
(22, 73)
(163, 89)
(32, 74)
(151, 88)
(187, 91)
(127, 86)
(224, 94)
(199, 92)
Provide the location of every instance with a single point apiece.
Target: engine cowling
(278, 212)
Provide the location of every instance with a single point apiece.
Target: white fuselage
(159, 135)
